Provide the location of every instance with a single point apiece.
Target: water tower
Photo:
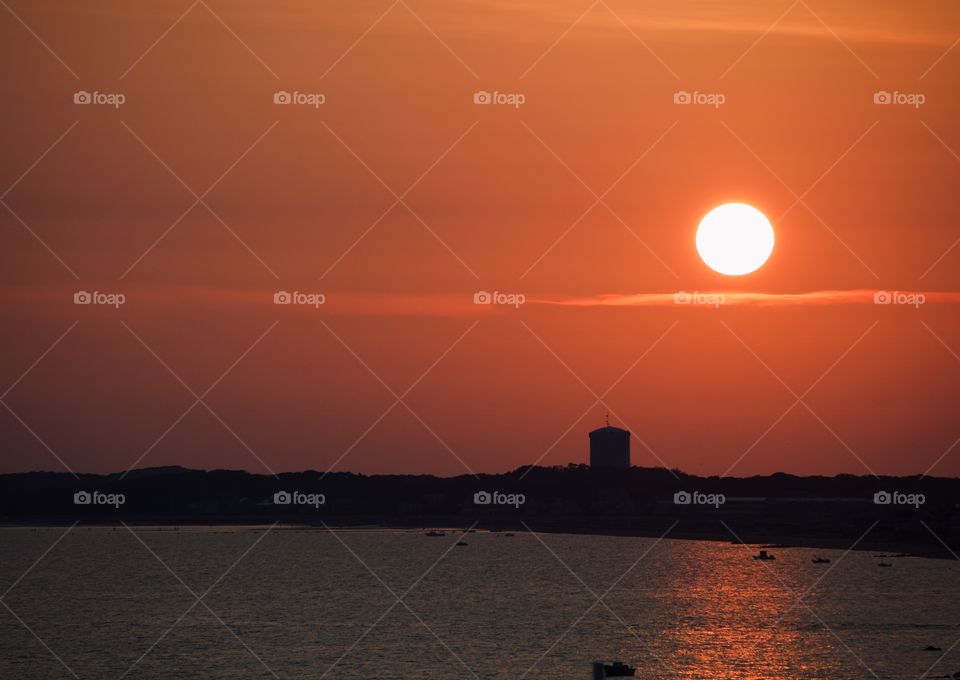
(610, 448)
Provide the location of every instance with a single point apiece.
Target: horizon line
(585, 466)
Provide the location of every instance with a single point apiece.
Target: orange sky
(501, 198)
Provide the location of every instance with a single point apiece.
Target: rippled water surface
(308, 604)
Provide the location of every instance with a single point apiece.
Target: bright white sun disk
(734, 239)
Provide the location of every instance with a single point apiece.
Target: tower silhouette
(610, 447)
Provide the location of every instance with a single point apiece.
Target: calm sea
(295, 603)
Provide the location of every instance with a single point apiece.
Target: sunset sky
(398, 198)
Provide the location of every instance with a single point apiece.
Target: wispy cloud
(862, 296)
(888, 25)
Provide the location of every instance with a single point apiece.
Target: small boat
(764, 555)
(461, 543)
(434, 533)
(931, 648)
(617, 669)
(509, 535)
(820, 560)
(884, 564)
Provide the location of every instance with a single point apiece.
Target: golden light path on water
(498, 607)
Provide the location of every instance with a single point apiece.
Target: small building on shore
(610, 448)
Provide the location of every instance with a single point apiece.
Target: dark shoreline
(916, 515)
(452, 525)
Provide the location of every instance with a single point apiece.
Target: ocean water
(294, 603)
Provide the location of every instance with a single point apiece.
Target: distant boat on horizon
(820, 560)
(434, 532)
(764, 555)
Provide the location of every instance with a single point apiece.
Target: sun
(734, 239)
